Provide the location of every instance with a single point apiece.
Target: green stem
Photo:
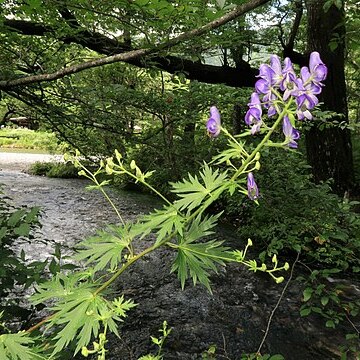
(107, 283)
(148, 186)
(93, 178)
(262, 143)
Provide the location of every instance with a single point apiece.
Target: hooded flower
(318, 69)
(253, 115)
(213, 125)
(291, 134)
(305, 99)
(253, 191)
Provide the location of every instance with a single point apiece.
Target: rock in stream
(234, 318)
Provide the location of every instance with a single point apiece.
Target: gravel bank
(22, 161)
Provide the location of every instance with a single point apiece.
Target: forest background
(139, 76)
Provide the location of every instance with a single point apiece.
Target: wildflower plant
(81, 307)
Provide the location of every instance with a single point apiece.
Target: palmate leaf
(106, 248)
(197, 259)
(18, 347)
(233, 151)
(193, 192)
(164, 222)
(60, 286)
(82, 314)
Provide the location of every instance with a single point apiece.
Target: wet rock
(234, 318)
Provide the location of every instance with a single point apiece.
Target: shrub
(53, 169)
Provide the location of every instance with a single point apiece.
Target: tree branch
(135, 56)
(288, 48)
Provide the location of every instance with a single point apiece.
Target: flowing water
(234, 317)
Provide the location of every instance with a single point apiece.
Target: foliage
(53, 169)
(294, 214)
(81, 304)
(159, 342)
(322, 226)
(29, 139)
(16, 226)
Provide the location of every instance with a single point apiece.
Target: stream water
(233, 318)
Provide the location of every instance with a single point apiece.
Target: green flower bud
(279, 280)
(84, 351)
(132, 165)
(286, 266)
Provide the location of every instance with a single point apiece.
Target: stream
(234, 318)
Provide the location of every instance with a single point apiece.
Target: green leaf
(233, 151)
(17, 347)
(15, 217)
(82, 313)
(307, 294)
(305, 311)
(276, 357)
(164, 222)
(324, 300)
(196, 260)
(192, 192)
(33, 214)
(330, 324)
(105, 249)
(22, 230)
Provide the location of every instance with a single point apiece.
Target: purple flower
(253, 115)
(291, 134)
(253, 191)
(213, 125)
(315, 73)
(318, 69)
(305, 98)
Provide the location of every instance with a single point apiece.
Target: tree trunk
(329, 150)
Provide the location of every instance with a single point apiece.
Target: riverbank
(234, 318)
(21, 161)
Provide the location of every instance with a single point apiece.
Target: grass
(13, 139)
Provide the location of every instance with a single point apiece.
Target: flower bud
(84, 351)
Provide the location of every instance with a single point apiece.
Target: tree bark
(329, 150)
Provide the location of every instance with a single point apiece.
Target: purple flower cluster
(277, 84)
(276, 87)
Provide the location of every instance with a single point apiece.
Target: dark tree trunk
(329, 150)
